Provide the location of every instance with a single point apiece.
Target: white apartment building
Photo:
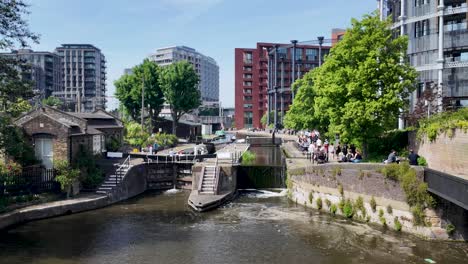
(206, 68)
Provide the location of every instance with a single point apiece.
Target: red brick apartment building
(251, 78)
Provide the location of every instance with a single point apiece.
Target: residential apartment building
(438, 45)
(45, 70)
(84, 76)
(255, 67)
(206, 68)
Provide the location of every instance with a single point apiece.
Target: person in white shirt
(319, 142)
(331, 150)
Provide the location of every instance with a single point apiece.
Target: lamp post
(293, 67)
(299, 62)
(320, 41)
(275, 65)
(282, 88)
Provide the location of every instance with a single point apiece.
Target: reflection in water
(269, 156)
(256, 228)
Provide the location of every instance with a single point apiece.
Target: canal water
(258, 227)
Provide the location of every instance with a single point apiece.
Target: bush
(359, 204)
(381, 212)
(422, 161)
(319, 203)
(340, 189)
(397, 224)
(135, 135)
(391, 171)
(341, 205)
(66, 176)
(450, 229)
(348, 210)
(389, 209)
(248, 158)
(418, 216)
(333, 209)
(311, 197)
(328, 203)
(90, 174)
(163, 140)
(373, 204)
(113, 144)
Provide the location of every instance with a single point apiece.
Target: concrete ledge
(53, 209)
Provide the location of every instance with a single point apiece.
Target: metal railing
(122, 170)
(200, 181)
(449, 187)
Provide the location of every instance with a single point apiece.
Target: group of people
(323, 151)
(393, 158)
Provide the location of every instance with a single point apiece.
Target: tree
(362, 87)
(52, 101)
(425, 106)
(179, 83)
(135, 135)
(264, 120)
(129, 89)
(14, 90)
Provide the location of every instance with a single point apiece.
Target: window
(247, 75)
(248, 106)
(248, 91)
(298, 54)
(248, 119)
(247, 98)
(247, 68)
(311, 54)
(247, 57)
(247, 83)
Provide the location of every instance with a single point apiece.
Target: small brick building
(58, 135)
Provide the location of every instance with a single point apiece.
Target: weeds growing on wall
(348, 209)
(397, 224)
(319, 203)
(373, 204)
(445, 122)
(248, 157)
(333, 209)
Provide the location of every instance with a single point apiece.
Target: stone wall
(360, 180)
(446, 154)
(44, 126)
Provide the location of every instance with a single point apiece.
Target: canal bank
(363, 193)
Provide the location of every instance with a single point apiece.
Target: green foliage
(135, 136)
(391, 171)
(359, 204)
(348, 209)
(91, 175)
(113, 144)
(179, 83)
(373, 204)
(129, 90)
(16, 147)
(52, 101)
(383, 221)
(296, 171)
(341, 205)
(361, 84)
(389, 209)
(418, 215)
(450, 229)
(333, 209)
(397, 224)
(248, 157)
(319, 203)
(66, 176)
(381, 212)
(311, 197)
(415, 190)
(163, 140)
(328, 203)
(422, 161)
(264, 120)
(444, 122)
(379, 147)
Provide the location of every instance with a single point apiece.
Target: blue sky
(128, 31)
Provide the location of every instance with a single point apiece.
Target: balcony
(456, 64)
(456, 10)
(456, 39)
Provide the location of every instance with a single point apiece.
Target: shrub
(248, 158)
(397, 224)
(361, 174)
(333, 209)
(319, 203)
(373, 204)
(418, 215)
(135, 135)
(66, 176)
(422, 161)
(311, 197)
(383, 221)
(441, 123)
(113, 144)
(389, 209)
(450, 229)
(348, 210)
(391, 171)
(381, 212)
(341, 205)
(415, 190)
(90, 174)
(328, 203)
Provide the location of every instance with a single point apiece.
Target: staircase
(208, 181)
(113, 180)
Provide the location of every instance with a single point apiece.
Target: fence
(449, 187)
(30, 181)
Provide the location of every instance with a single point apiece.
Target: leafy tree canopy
(361, 88)
(52, 101)
(129, 89)
(179, 83)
